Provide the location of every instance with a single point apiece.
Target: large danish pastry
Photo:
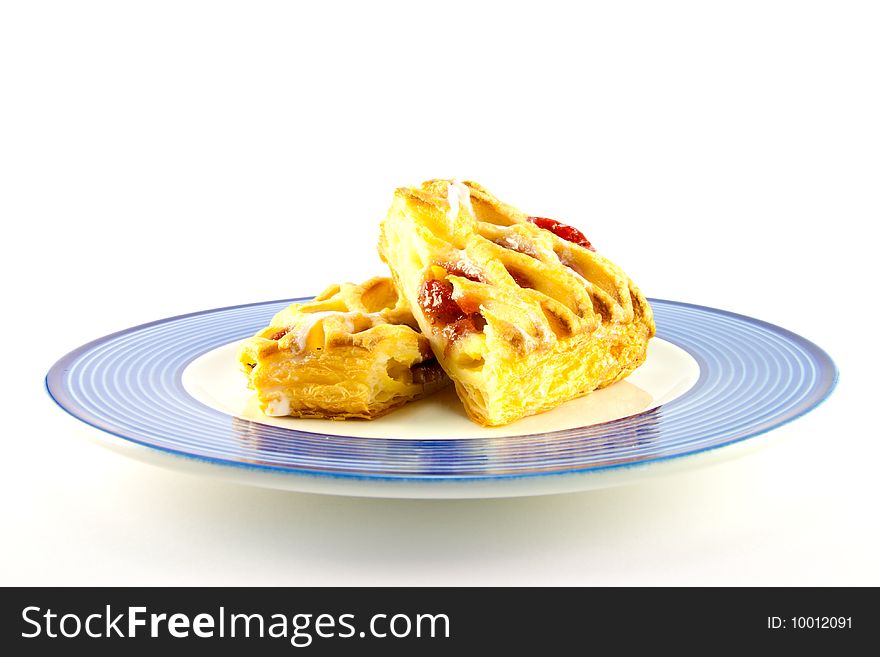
(353, 352)
(521, 311)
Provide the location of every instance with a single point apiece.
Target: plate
(169, 393)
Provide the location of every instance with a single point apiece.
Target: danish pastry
(353, 352)
(521, 312)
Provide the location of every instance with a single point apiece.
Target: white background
(164, 157)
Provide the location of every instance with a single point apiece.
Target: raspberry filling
(435, 299)
(520, 278)
(437, 302)
(473, 323)
(564, 231)
(280, 334)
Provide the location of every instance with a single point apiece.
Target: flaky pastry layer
(352, 352)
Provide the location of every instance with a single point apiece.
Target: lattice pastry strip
(521, 312)
(353, 352)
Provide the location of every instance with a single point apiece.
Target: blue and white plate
(170, 393)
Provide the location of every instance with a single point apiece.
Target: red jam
(468, 304)
(280, 334)
(564, 231)
(471, 324)
(440, 308)
(437, 302)
(520, 278)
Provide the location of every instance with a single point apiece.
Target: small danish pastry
(521, 311)
(355, 351)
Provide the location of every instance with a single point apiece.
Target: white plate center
(668, 372)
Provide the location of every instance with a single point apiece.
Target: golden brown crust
(546, 320)
(349, 353)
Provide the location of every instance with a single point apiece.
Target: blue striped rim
(754, 376)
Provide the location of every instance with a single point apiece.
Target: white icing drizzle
(522, 245)
(458, 195)
(278, 407)
(452, 197)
